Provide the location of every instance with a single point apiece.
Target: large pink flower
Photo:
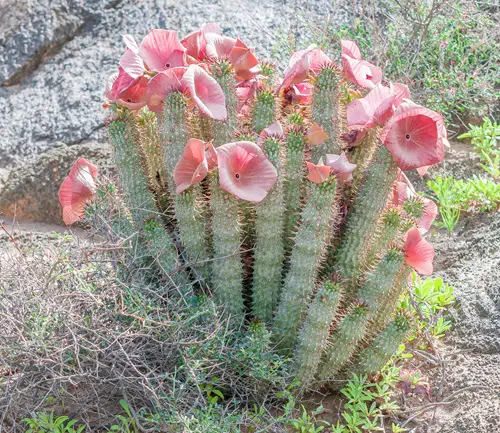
(205, 92)
(77, 189)
(196, 43)
(127, 91)
(161, 85)
(192, 168)
(374, 109)
(415, 136)
(419, 253)
(245, 64)
(161, 50)
(302, 63)
(244, 171)
(317, 173)
(219, 47)
(340, 166)
(358, 71)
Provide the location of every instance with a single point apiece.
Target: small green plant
(307, 424)
(43, 422)
(485, 140)
(127, 422)
(444, 189)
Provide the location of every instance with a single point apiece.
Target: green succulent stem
(362, 220)
(388, 233)
(269, 252)
(307, 253)
(264, 110)
(325, 111)
(227, 266)
(225, 131)
(313, 336)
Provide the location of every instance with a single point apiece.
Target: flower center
(237, 175)
(167, 65)
(129, 100)
(407, 136)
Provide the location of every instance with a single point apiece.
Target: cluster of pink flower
(162, 63)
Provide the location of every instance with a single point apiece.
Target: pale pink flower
(245, 64)
(132, 64)
(161, 50)
(192, 168)
(316, 135)
(211, 156)
(205, 92)
(351, 49)
(419, 253)
(372, 110)
(77, 189)
(317, 173)
(302, 63)
(196, 43)
(127, 91)
(244, 171)
(340, 166)
(358, 71)
(219, 47)
(161, 85)
(401, 93)
(415, 136)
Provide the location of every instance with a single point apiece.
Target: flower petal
(205, 92)
(132, 64)
(401, 92)
(298, 68)
(196, 43)
(244, 62)
(211, 156)
(192, 168)
(161, 50)
(354, 137)
(77, 189)
(218, 46)
(161, 85)
(351, 49)
(419, 253)
(414, 136)
(340, 166)
(131, 43)
(316, 135)
(244, 171)
(317, 173)
(361, 72)
(129, 92)
(374, 109)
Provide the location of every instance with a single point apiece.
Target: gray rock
(30, 191)
(55, 56)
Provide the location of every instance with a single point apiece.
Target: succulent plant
(286, 191)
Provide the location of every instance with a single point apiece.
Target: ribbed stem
(362, 220)
(307, 254)
(376, 355)
(294, 177)
(269, 252)
(388, 233)
(313, 336)
(363, 153)
(325, 111)
(225, 132)
(264, 110)
(227, 267)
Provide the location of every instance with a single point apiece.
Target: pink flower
(403, 192)
(415, 136)
(244, 171)
(130, 42)
(245, 64)
(303, 92)
(374, 109)
(340, 166)
(161, 85)
(205, 92)
(317, 173)
(419, 253)
(273, 130)
(196, 43)
(161, 50)
(358, 71)
(132, 64)
(211, 156)
(316, 135)
(401, 92)
(77, 189)
(351, 49)
(127, 91)
(354, 137)
(302, 63)
(192, 168)
(219, 47)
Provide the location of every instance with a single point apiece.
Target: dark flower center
(407, 136)
(167, 65)
(237, 175)
(129, 100)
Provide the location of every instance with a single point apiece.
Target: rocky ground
(55, 56)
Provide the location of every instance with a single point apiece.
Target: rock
(55, 56)
(30, 191)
